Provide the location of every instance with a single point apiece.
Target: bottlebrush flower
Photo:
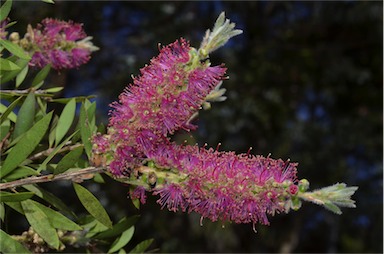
(161, 100)
(62, 44)
(168, 92)
(221, 185)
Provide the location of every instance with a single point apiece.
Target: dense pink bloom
(166, 94)
(62, 44)
(161, 100)
(218, 185)
(224, 186)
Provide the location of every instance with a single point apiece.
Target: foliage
(38, 141)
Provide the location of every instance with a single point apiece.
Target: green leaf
(91, 111)
(21, 76)
(68, 160)
(48, 1)
(2, 212)
(122, 251)
(85, 130)
(41, 75)
(15, 206)
(65, 120)
(6, 65)
(25, 116)
(118, 228)
(43, 165)
(40, 223)
(26, 145)
(141, 247)
(50, 198)
(7, 113)
(4, 129)
(94, 227)
(58, 220)
(52, 133)
(14, 197)
(5, 9)
(8, 75)
(98, 178)
(332, 207)
(54, 89)
(21, 172)
(78, 99)
(123, 240)
(92, 205)
(15, 49)
(10, 245)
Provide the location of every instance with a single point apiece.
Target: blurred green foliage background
(306, 83)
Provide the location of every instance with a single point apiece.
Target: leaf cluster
(40, 141)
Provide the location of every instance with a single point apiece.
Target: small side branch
(75, 176)
(50, 150)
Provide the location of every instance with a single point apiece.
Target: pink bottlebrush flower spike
(62, 44)
(222, 185)
(161, 100)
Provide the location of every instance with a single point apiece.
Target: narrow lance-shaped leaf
(25, 116)
(65, 120)
(40, 223)
(43, 165)
(123, 240)
(40, 76)
(91, 110)
(54, 89)
(2, 212)
(15, 206)
(52, 132)
(21, 76)
(20, 172)
(10, 245)
(4, 129)
(8, 75)
(50, 198)
(14, 197)
(118, 228)
(142, 246)
(5, 9)
(6, 65)
(15, 49)
(85, 130)
(26, 145)
(68, 160)
(92, 205)
(8, 111)
(58, 220)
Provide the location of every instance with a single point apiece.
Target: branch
(50, 150)
(75, 176)
(40, 92)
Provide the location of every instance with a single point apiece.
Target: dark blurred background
(306, 83)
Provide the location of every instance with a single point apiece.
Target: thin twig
(5, 139)
(75, 176)
(50, 150)
(26, 92)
